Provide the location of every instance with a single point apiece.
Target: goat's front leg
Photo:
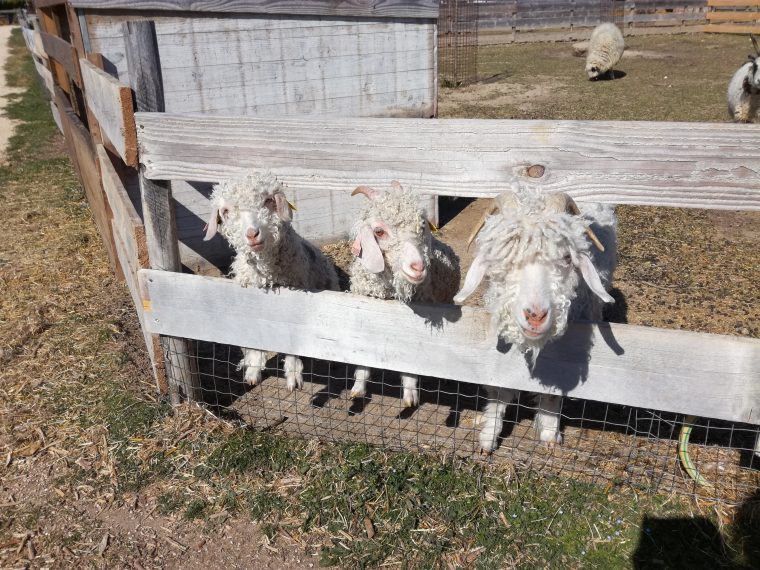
(411, 392)
(493, 416)
(361, 377)
(293, 372)
(254, 361)
(546, 421)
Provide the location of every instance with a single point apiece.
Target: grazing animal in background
(534, 249)
(744, 89)
(397, 257)
(255, 219)
(605, 49)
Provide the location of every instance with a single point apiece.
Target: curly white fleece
(604, 50)
(399, 209)
(287, 260)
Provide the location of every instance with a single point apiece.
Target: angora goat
(744, 89)
(398, 258)
(255, 216)
(533, 251)
(605, 49)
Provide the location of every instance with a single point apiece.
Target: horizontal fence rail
(699, 165)
(676, 371)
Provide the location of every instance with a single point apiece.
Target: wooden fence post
(157, 203)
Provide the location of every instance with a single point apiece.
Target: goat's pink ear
(365, 247)
(283, 207)
(474, 276)
(211, 226)
(591, 277)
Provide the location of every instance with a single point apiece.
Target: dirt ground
(6, 125)
(70, 349)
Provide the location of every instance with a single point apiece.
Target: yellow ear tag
(433, 227)
(292, 207)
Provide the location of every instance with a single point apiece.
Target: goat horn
(501, 202)
(753, 39)
(572, 208)
(370, 193)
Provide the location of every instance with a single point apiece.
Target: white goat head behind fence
(535, 250)
(252, 210)
(392, 242)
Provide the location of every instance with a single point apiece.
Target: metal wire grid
(458, 42)
(603, 443)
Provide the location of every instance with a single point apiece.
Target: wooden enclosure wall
(733, 16)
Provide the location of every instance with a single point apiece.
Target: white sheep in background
(533, 252)
(744, 89)
(605, 49)
(398, 258)
(255, 216)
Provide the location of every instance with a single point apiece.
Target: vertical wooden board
(322, 217)
(111, 103)
(47, 78)
(255, 65)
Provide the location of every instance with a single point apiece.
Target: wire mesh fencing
(458, 42)
(603, 443)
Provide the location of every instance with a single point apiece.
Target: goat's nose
(534, 316)
(252, 233)
(417, 266)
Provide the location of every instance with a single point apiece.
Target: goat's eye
(380, 232)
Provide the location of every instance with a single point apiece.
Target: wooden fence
(733, 16)
(129, 163)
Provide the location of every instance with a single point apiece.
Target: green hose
(683, 452)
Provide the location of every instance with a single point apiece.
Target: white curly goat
(744, 89)
(255, 219)
(398, 258)
(605, 49)
(533, 249)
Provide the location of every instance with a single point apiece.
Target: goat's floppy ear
(366, 249)
(283, 206)
(474, 276)
(591, 277)
(213, 221)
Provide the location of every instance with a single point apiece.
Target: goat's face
(753, 73)
(393, 239)
(592, 70)
(252, 219)
(534, 254)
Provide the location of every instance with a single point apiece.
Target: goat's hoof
(485, 452)
(411, 398)
(551, 438)
(357, 394)
(294, 382)
(252, 377)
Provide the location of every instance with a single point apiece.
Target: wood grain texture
(64, 53)
(732, 28)
(131, 248)
(47, 3)
(646, 163)
(734, 3)
(158, 205)
(256, 66)
(33, 42)
(47, 78)
(692, 373)
(83, 155)
(427, 9)
(111, 103)
(725, 16)
(56, 116)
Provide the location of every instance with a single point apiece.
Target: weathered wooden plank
(731, 29)
(725, 16)
(47, 77)
(647, 163)
(33, 42)
(64, 53)
(56, 116)
(692, 373)
(427, 9)
(125, 216)
(157, 203)
(111, 103)
(84, 158)
(47, 3)
(733, 3)
(255, 66)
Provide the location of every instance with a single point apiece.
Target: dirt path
(7, 126)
